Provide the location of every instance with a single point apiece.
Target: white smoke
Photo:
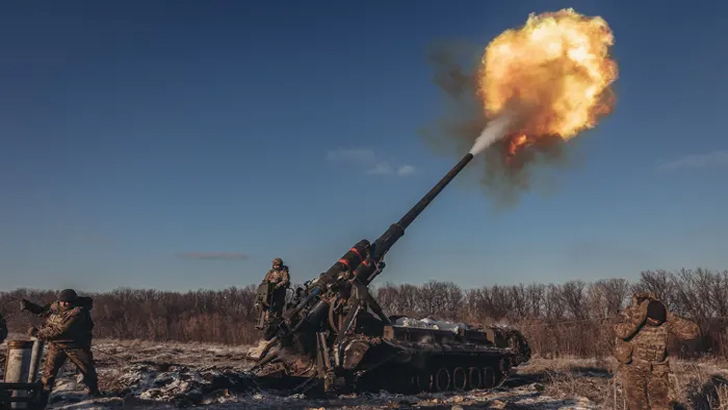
(495, 130)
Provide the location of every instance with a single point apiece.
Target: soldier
(68, 332)
(641, 348)
(280, 276)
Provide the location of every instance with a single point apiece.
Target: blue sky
(183, 145)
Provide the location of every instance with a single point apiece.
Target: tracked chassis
(405, 359)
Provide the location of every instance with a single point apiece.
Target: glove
(33, 331)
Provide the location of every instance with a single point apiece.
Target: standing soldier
(68, 332)
(281, 279)
(641, 348)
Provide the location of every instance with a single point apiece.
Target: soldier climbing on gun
(279, 279)
(271, 296)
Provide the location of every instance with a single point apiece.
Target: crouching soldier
(641, 348)
(68, 333)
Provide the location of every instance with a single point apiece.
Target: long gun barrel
(416, 210)
(385, 242)
(364, 258)
(363, 250)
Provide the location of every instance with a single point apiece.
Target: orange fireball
(515, 142)
(555, 71)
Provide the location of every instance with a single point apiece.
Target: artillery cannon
(338, 335)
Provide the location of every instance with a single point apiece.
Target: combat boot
(93, 391)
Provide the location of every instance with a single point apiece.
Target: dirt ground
(138, 374)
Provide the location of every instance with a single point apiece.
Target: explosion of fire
(555, 72)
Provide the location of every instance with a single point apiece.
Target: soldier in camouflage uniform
(641, 349)
(68, 332)
(280, 276)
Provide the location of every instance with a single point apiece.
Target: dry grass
(699, 385)
(702, 385)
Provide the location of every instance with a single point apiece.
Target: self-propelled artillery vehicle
(336, 336)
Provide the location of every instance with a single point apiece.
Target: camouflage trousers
(56, 357)
(647, 386)
(278, 301)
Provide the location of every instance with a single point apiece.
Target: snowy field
(137, 374)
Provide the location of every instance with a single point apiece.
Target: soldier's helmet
(277, 262)
(68, 295)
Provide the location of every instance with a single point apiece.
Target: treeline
(224, 316)
(575, 318)
(571, 318)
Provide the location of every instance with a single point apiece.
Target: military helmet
(68, 295)
(656, 310)
(277, 261)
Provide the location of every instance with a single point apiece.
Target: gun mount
(337, 333)
(263, 303)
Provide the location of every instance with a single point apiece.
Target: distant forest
(571, 318)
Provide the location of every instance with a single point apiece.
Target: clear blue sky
(149, 144)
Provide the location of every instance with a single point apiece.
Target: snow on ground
(152, 375)
(521, 398)
(428, 323)
(168, 375)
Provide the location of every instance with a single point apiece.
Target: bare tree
(543, 312)
(657, 282)
(608, 296)
(535, 295)
(573, 297)
(553, 303)
(519, 303)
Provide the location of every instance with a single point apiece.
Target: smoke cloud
(495, 130)
(463, 127)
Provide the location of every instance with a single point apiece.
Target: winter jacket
(70, 327)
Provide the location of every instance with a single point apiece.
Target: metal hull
(404, 360)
